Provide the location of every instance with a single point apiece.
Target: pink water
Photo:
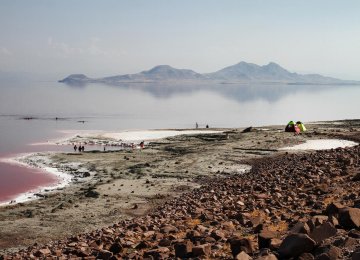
(16, 180)
(17, 137)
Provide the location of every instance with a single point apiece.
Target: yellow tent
(301, 126)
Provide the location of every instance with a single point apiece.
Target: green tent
(290, 127)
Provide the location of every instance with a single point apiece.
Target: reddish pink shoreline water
(16, 180)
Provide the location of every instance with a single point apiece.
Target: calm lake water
(147, 106)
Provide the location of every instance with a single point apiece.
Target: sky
(55, 38)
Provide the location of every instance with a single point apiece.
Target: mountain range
(242, 72)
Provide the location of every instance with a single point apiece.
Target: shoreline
(63, 179)
(130, 183)
(33, 160)
(91, 138)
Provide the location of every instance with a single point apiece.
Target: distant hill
(242, 72)
(158, 73)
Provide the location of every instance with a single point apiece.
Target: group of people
(80, 148)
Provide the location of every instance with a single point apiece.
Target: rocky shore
(298, 205)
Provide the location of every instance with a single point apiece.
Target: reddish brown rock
(168, 229)
(275, 244)
(333, 220)
(242, 256)
(334, 253)
(159, 253)
(83, 252)
(241, 244)
(349, 218)
(300, 227)
(264, 238)
(218, 234)
(355, 255)
(296, 244)
(306, 256)
(267, 257)
(201, 250)
(356, 177)
(148, 234)
(333, 208)
(104, 254)
(322, 232)
(42, 252)
(115, 248)
(183, 249)
(349, 242)
(165, 242)
(354, 233)
(142, 245)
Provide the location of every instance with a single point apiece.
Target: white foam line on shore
(125, 136)
(321, 144)
(147, 135)
(64, 179)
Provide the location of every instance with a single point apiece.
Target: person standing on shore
(75, 148)
(196, 125)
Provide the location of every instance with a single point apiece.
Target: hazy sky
(100, 38)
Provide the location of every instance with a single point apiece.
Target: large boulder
(296, 244)
(349, 218)
(300, 227)
(265, 237)
(201, 250)
(333, 209)
(323, 231)
(238, 245)
(183, 249)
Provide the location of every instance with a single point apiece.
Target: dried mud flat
(187, 196)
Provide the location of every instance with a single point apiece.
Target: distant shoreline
(240, 73)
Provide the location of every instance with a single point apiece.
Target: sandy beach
(107, 187)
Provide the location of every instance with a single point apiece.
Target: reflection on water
(238, 92)
(149, 106)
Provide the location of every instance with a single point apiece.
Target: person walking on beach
(75, 148)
